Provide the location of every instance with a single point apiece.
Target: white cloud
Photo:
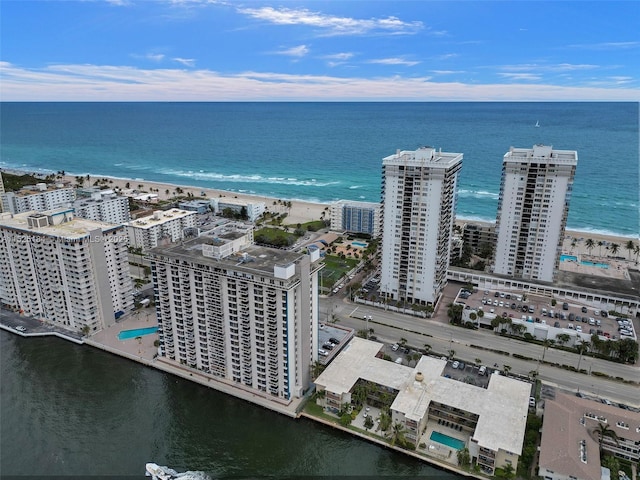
(332, 25)
(394, 61)
(606, 45)
(118, 83)
(520, 76)
(299, 51)
(187, 62)
(339, 56)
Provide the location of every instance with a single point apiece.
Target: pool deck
(618, 269)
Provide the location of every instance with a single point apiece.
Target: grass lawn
(335, 268)
(275, 237)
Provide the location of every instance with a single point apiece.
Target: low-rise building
(161, 228)
(356, 217)
(253, 210)
(65, 270)
(40, 197)
(104, 206)
(479, 236)
(198, 206)
(492, 421)
(570, 444)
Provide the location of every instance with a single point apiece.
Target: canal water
(70, 410)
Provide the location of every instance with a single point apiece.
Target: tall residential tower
(419, 197)
(239, 314)
(532, 212)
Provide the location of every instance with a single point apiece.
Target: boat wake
(158, 472)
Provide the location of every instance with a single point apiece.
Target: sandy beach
(301, 212)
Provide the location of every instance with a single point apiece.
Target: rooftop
(542, 154)
(504, 403)
(159, 217)
(423, 157)
(69, 227)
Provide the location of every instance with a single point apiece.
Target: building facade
(38, 198)
(356, 217)
(253, 210)
(241, 314)
(161, 228)
(479, 237)
(70, 272)
(104, 206)
(532, 213)
(419, 197)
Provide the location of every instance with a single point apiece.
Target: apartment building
(419, 198)
(253, 210)
(479, 236)
(356, 217)
(535, 192)
(38, 198)
(240, 314)
(161, 228)
(570, 444)
(66, 270)
(490, 422)
(104, 206)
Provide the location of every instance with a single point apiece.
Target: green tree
(464, 459)
(614, 249)
(454, 312)
(603, 430)
(590, 244)
(630, 246)
(563, 338)
(368, 422)
(397, 434)
(545, 346)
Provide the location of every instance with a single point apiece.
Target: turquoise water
(137, 332)
(342, 144)
(447, 440)
(594, 264)
(587, 263)
(359, 244)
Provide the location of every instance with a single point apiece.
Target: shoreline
(302, 211)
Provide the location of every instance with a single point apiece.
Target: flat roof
(252, 259)
(77, 227)
(163, 216)
(423, 157)
(501, 408)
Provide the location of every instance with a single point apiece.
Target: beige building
(570, 447)
(489, 422)
(66, 270)
(240, 314)
(40, 197)
(161, 228)
(356, 217)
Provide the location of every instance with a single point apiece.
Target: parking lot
(538, 309)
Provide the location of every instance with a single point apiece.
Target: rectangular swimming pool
(447, 440)
(137, 332)
(568, 258)
(359, 244)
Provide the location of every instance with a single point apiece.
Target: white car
(455, 364)
(395, 347)
(20, 328)
(322, 352)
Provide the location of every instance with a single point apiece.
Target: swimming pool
(136, 332)
(359, 244)
(447, 440)
(586, 263)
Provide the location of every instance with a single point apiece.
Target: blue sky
(207, 50)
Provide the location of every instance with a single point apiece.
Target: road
(442, 337)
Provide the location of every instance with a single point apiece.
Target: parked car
(20, 328)
(461, 366)
(532, 402)
(565, 306)
(322, 352)
(455, 364)
(333, 340)
(395, 347)
(584, 310)
(556, 324)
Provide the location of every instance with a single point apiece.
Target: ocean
(323, 152)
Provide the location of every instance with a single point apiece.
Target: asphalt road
(390, 327)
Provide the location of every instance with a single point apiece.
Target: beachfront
(301, 211)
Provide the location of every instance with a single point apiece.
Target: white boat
(158, 472)
(537, 123)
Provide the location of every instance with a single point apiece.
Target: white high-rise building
(161, 227)
(38, 198)
(532, 213)
(241, 314)
(419, 198)
(71, 272)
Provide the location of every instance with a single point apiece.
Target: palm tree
(614, 248)
(603, 430)
(630, 246)
(397, 434)
(563, 338)
(545, 346)
(589, 243)
(600, 244)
